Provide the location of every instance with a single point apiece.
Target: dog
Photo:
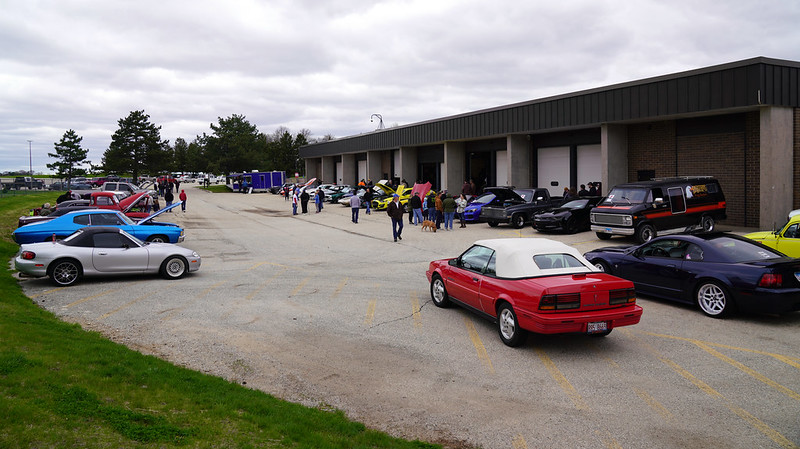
(428, 224)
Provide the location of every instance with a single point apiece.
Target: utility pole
(30, 165)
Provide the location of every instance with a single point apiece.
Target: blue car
(66, 224)
(490, 195)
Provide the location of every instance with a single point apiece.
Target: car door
(788, 242)
(656, 267)
(464, 279)
(116, 253)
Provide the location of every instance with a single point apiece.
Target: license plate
(599, 326)
(608, 229)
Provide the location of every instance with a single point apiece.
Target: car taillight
(560, 302)
(770, 280)
(622, 296)
(28, 255)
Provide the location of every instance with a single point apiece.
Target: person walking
(449, 210)
(416, 208)
(182, 197)
(355, 205)
(169, 197)
(318, 200)
(368, 199)
(395, 211)
(432, 207)
(461, 205)
(440, 210)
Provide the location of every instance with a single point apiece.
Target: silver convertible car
(101, 250)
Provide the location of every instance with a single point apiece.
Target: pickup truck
(24, 181)
(518, 206)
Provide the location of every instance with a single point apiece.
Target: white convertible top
(514, 257)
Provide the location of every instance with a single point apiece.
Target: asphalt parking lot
(321, 311)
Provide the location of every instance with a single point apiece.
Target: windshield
(575, 204)
(485, 198)
(626, 195)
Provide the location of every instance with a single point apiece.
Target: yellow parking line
(266, 263)
(46, 292)
(415, 310)
(654, 404)
(476, 341)
(172, 312)
(299, 286)
(562, 381)
(518, 442)
(608, 440)
(340, 287)
(81, 301)
(130, 303)
(370, 311)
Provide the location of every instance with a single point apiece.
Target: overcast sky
(328, 65)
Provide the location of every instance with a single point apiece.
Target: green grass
(61, 386)
(217, 189)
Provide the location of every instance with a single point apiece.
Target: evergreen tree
(70, 156)
(137, 147)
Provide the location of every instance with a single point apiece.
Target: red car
(536, 285)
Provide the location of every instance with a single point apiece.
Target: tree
(235, 145)
(71, 156)
(137, 147)
(180, 156)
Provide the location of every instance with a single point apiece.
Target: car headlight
(627, 220)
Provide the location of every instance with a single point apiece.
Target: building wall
(796, 131)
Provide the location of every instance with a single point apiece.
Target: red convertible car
(536, 285)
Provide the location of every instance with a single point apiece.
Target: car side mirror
(658, 201)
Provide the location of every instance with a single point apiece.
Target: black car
(570, 217)
(518, 206)
(719, 272)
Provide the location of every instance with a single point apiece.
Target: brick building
(739, 122)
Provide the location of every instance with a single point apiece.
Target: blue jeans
(294, 208)
(355, 214)
(417, 216)
(397, 228)
(368, 206)
(448, 220)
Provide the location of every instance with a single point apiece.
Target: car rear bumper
(33, 268)
(770, 301)
(568, 322)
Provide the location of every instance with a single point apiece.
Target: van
(643, 209)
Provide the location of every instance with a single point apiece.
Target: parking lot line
(300, 286)
(252, 294)
(562, 381)
(415, 309)
(370, 311)
(518, 442)
(654, 404)
(476, 341)
(81, 301)
(339, 287)
(46, 292)
(134, 301)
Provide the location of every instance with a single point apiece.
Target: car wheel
(713, 299)
(157, 239)
(174, 267)
(518, 220)
(602, 266)
(65, 272)
(603, 236)
(508, 326)
(493, 223)
(645, 233)
(439, 292)
(569, 226)
(707, 223)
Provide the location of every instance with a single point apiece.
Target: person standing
(355, 205)
(169, 197)
(294, 201)
(432, 207)
(416, 208)
(304, 197)
(395, 211)
(583, 191)
(466, 189)
(318, 200)
(592, 189)
(461, 204)
(449, 209)
(368, 199)
(182, 197)
(440, 210)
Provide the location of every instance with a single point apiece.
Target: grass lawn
(61, 386)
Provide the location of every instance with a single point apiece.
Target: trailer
(256, 181)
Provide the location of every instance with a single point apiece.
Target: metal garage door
(553, 169)
(589, 165)
(339, 173)
(362, 170)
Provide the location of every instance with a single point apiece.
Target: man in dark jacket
(395, 211)
(304, 197)
(416, 208)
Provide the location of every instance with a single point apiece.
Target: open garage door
(553, 169)
(589, 164)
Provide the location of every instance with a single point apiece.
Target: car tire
(175, 267)
(158, 239)
(493, 223)
(65, 272)
(645, 233)
(713, 299)
(707, 223)
(602, 265)
(570, 227)
(508, 326)
(518, 221)
(603, 236)
(439, 294)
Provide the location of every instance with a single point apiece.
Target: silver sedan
(97, 251)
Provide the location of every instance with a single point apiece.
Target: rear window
(556, 261)
(735, 250)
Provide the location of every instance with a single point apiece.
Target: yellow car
(785, 240)
(383, 202)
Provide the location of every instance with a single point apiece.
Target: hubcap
(175, 267)
(600, 267)
(711, 299)
(507, 327)
(438, 291)
(65, 273)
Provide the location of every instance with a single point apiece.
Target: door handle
(671, 266)
(102, 254)
(475, 279)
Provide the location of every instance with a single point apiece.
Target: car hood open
(159, 212)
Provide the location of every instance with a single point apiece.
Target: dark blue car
(490, 195)
(719, 272)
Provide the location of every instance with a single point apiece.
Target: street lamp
(380, 118)
(30, 165)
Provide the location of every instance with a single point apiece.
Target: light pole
(380, 118)
(30, 165)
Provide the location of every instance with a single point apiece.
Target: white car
(101, 250)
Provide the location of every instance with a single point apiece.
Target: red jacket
(182, 196)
